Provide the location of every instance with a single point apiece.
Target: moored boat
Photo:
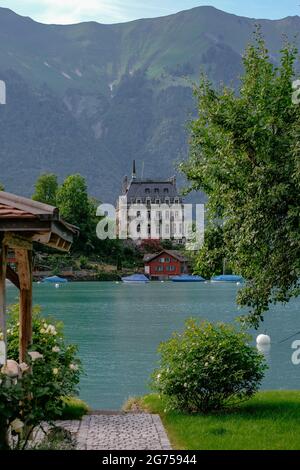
(227, 278)
(135, 279)
(187, 278)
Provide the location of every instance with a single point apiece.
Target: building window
(157, 201)
(138, 214)
(168, 260)
(180, 229)
(138, 201)
(170, 268)
(159, 268)
(157, 230)
(167, 200)
(167, 215)
(166, 190)
(167, 229)
(161, 260)
(176, 200)
(156, 190)
(147, 190)
(138, 228)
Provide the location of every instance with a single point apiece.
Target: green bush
(50, 375)
(108, 277)
(208, 367)
(74, 408)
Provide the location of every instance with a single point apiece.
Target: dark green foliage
(208, 367)
(245, 156)
(46, 188)
(210, 260)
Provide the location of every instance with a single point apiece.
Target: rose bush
(208, 367)
(50, 375)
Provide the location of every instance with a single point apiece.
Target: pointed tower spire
(133, 171)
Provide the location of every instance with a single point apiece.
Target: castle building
(152, 209)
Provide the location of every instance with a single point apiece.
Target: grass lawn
(270, 421)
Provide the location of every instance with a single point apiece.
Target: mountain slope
(89, 98)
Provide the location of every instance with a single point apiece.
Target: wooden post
(24, 260)
(3, 265)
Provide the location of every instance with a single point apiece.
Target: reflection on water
(118, 328)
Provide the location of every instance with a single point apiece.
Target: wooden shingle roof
(40, 222)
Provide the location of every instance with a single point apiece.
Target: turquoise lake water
(118, 328)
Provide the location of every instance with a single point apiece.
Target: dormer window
(147, 190)
(138, 201)
(156, 190)
(176, 200)
(166, 190)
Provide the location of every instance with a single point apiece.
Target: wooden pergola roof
(22, 222)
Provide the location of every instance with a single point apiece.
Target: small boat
(227, 278)
(55, 280)
(135, 279)
(188, 278)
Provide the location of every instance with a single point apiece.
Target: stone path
(126, 431)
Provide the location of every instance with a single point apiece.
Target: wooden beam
(24, 261)
(15, 241)
(12, 276)
(3, 267)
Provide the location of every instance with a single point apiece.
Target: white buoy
(56, 286)
(38, 282)
(264, 348)
(263, 340)
(238, 284)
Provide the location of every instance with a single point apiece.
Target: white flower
(55, 371)
(185, 385)
(45, 325)
(55, 349)
(212, 358)
(158, 376)
(17, 425)
(24, 367)
(51, 330)
(11, 369)
(73, 366)
(35, 355)
(206, 364)
(42, 331)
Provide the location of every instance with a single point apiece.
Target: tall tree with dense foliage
(46, 188)
(210, 261)
(245, 154)
(79, 209)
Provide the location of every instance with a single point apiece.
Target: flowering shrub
(208, 367)
(38, 390)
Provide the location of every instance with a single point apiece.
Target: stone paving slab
(130, 431)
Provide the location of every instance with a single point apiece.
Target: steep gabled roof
(173, 253)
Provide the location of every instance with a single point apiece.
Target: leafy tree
(210, 259)
(245, 155)
(46, 189)
(78, 209)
